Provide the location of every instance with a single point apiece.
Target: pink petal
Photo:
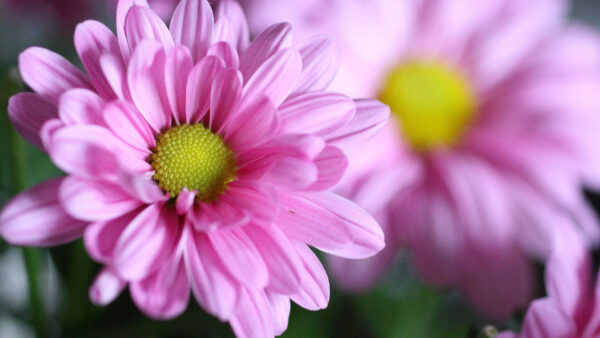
(35, 217)
(314, 293)
(240, 257)
(94, 200)
(92, 40)
(85, 150)
(81, 106)
(320, 63)
(106, 287)
(265, 45)
(252, 198)
(330, 223)
(116, 75)
(280, 310)
(123, 7)
(141, 23)
(28, 112)
(285, 266)
(251, 126)
(235, 14)
(192, 25)
(275, 78)
(331, 164)
(371, 116)
(221, 213)
(225, 93)
(129, 125)
(185, 201)
(253, 317)
(318, 113)
(224, 33)
(199, 85)
(226, 53)
(146, 243)
(146, 78)
(544, 319)
(48, 129)
(177, 68)
(49, 74)
(214, 289)
(101, 238)
(166, 293)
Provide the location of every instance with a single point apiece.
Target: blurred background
(401, 306)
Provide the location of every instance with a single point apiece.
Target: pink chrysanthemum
(571, 308)
(495, 130)
(196, 160)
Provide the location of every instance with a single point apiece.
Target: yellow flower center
(192, 157)
(433, 102)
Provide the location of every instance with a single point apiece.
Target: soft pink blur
(476, 215)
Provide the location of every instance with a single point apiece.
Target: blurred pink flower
(195, 159)
(495, 129)
(572, 305)
(164, 8)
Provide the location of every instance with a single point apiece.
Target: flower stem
(33, 262)
(33, 257)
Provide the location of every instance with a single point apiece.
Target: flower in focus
(571, 308)
(196, 159)
(494, 131)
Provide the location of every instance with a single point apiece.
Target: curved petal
(106, 287)
(265, 45)
(123, 7)
(146, 243)
(226, 53)
(331, 164)
(198, 90)
(320, 63)
(225, 93)
(92, 40)
(253, 317)
(275, 78)
(283, 263)
(94, 200)
(177, 68)
(252, 125)
(231, 10)
(214, 289)
(129, 125)
(36, 217)
(28, 112)
(85, 150)
(81, 106)
(371, 116)
(146, 79)
(240, 257)
(280, 311)
(49, 74)
(192, 25)
(314, 293)
(141, 23)
(331, 223)
(319, 113)
(101, 238)
(185, 201)
(166, 293)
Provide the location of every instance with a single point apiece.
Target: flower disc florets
(192, 157)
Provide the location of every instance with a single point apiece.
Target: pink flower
(572, 305)
(164, 8)
(196, 160)
(494, 133)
